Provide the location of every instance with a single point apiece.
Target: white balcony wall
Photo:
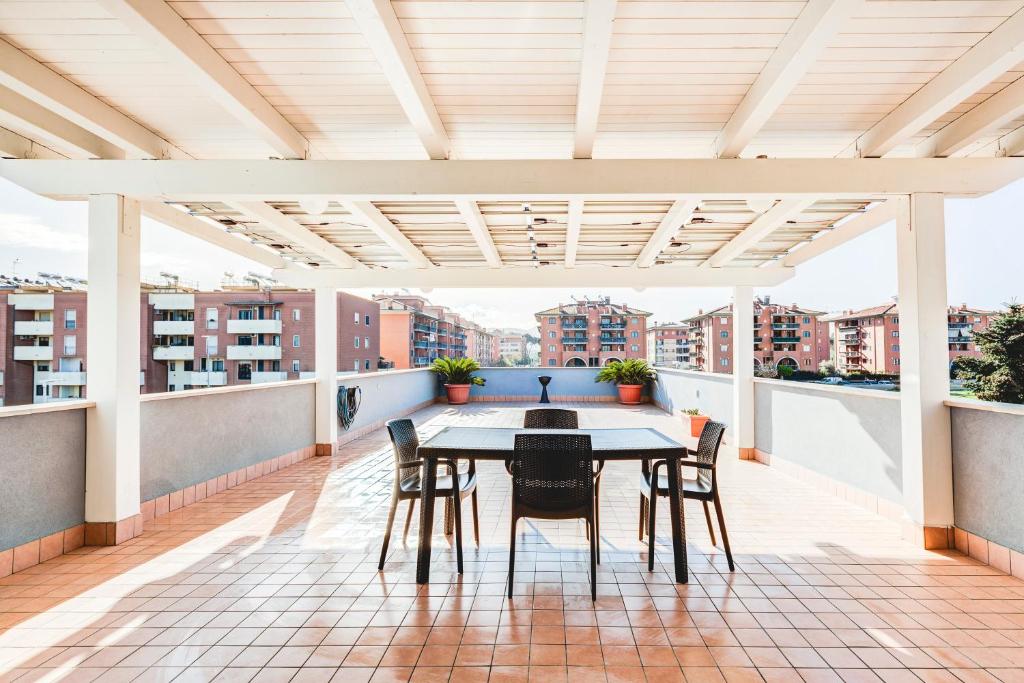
(31, 302)
(174, 327)
(208, 379)
(33, 328)
(173, 301)
(677, 390)
(254, 327)
(33, 353)
(174, 352)
(264, 377)
(266, 352)
(70, 379)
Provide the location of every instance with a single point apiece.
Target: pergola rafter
(298, 233)
(599, 18)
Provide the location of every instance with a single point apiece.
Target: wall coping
(827, 389)
(713, 376)
(218, 391)
(381, 372)
(55, 406)
(988, 406)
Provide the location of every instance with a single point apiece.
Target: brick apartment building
(414, 332)
(190, 339)
(512, 346)
(591, 333)
(668, 345)
(869, 340)
(783, 335)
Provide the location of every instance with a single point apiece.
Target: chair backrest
(551, 418)
(404, 442)
(707, 449)
(552, 471)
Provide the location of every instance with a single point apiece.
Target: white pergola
(369, 143)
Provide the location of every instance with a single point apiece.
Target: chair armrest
(696, 463)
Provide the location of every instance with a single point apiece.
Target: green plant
(457, 370)
(767, 370)
(827, 368)
(785, 371)
(628, 372)
(690, 411)
(999, 374)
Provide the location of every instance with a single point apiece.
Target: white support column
(743, 371)
(924, 370)
(325, 308)
(112, 484)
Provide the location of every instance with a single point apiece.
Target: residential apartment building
(414, 332)
(668, 345)
(479, 343)
(591, 333)
(511, 346)
(869, 340)
(190, 339)
(783, 335)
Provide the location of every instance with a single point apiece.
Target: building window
(895, 361)
(807, 361)
(551, 334)
(634, 334)
(245, 371)
(724, 348)
(277, 314)
(366, 342)
(807, 334)
(70, 345)
(634, 348)
(70, 319)
(896, 348)
(635, 321)
(355, 321)
(357, 344)
(295, 366)
(551, 348)
(551, 321)
(211, 318)
(895, 320)
(172, 366)
(551, 361)
(724, 321)
(724, 334)
(807, 320)
(355, 365)
(296, 314)
(366, 364)
(807, 348)
(295, 341)
(724, 362)
(367, 320)
(211, 345)
(895, 333)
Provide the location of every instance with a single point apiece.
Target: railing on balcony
(785, 326)
(574, 340)
(608, 339)
(785, 340)
(419, 327)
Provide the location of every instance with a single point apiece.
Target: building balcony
(785, 340)
(254, 326)
(785, 326)
(208, 379)
(70, 379)
(33, 353)
(423, 328)
(173, 328)
(608, 339)
(173, 301)
(613, 326)
(254, 352)
(271, 376)
(421, 344)
(174, 352)
(574, 326)
(31, 302)
(574, 340)
(33, 328)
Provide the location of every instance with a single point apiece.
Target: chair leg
(725, 534)
(512, 555)
(408, 520)
(457, 506)
(448, 517)
(387, 531)
(476, 521)
(643, 515)
(593, 562)
(597, 518)
(651, 516)
(707, 516)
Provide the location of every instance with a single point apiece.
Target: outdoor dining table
(497, 443)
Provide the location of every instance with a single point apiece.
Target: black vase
(544, 380)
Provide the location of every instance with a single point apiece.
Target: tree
(999, 374)
(827, 368)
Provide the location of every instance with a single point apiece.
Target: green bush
(457, 370)
(630, 371)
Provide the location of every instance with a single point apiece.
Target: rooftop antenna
(14, 267)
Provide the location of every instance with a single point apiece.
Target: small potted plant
(630, 375)
(697, 421)
(458, 377)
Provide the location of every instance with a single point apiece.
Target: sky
(984, 251)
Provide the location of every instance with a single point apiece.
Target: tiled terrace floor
(276, 580)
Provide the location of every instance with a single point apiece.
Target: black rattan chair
(407, 486)
(704, 488)
(553, 478)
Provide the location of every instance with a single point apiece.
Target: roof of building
(583, 306)
(759, 304)
(893, 308)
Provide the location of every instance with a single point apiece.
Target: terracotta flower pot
(629, 394)
(458, 394)
(697, 423)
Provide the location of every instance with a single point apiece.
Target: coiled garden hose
(349, 400)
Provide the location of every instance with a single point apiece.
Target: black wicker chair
(553, 478)
(404, 442)
(704, 489)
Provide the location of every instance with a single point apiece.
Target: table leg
(428, 477)
(678, 516)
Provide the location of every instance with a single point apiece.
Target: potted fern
(458, 377)
(630, 376)
(697, 421)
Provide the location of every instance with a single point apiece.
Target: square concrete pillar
(325, 307)
(743, 371)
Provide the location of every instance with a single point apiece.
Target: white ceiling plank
(539, 277)
(599, 18)
(843, 233)
(157, 23)
(365, 212)
(572, 231)
(53, 131)
(474, 220)
(992, 56)
(197, 227)
(45, 87)
(762, 226)
(811, 32)
(520, 180)
(297, 233)
(1012, 144)
(16, 146)
(998, 110)
(678, 215)
(386, 38)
